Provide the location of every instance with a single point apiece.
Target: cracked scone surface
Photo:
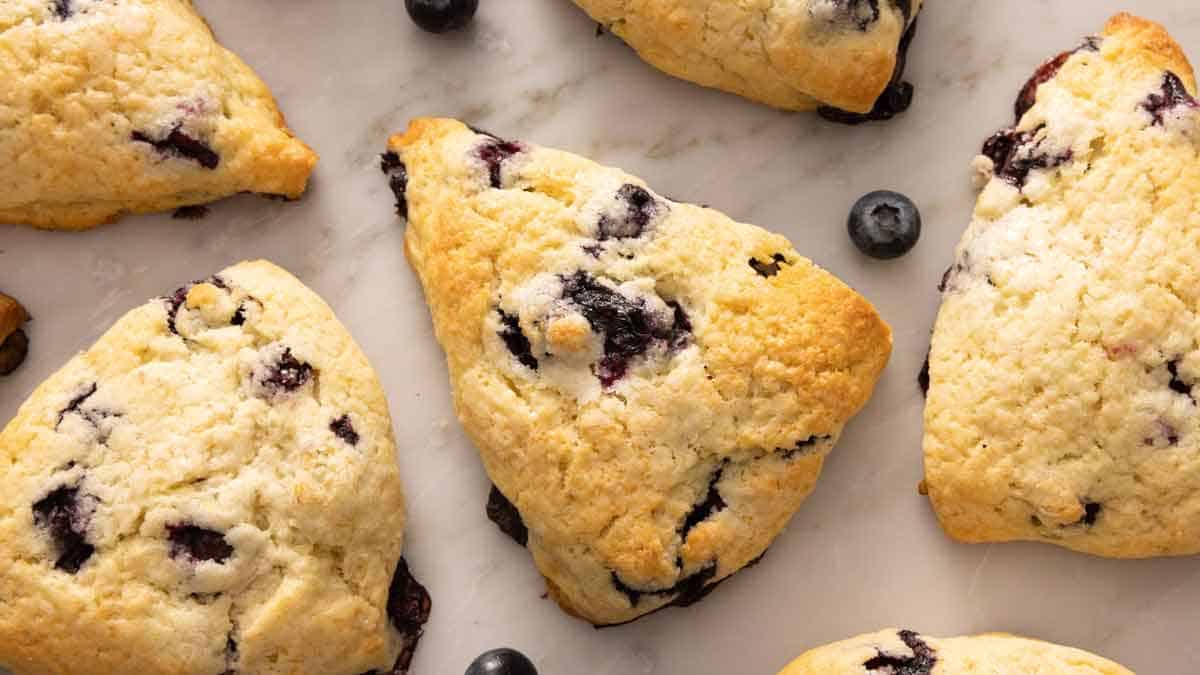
(211, 488)
(1061, 403)
(795, 55)
(895, 652)
(109, 108)
(652, 385)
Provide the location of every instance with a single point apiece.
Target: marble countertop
(865, 551)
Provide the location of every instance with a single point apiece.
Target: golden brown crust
(795, 56)
(1144, 40)
(750, 399)
(12, 316)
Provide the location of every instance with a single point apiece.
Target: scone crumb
(569, 333)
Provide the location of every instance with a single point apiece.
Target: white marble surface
(865, 551)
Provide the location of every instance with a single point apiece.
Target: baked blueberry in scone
(843, 57)
(211, 488)
(1061, 404)
(653, 387)
(904, 652)
(108, 108)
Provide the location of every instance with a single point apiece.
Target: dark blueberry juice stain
(514, 338)
(923, 376)
(1091, 511)
(505, 515)
(239, 316)
(175, 300)
(76, 406)
(408, 606)
(681, 326)
(896, 98)
(343, 428)
(77, 400)
(287, 373)
(640, 207)
(629, 330)
(1172, 94)
(770, 268)
(1177, 384)
(1046, 72)
(65, 515)
(173, 304)
(920, 663)
(62, 9)
(712, 503)
(1015, 154)
(951, 272)
(197, 544)
(193, 212)
(179, 144)
(1042, 75)
(803, 447)
(397, 175)
(687, 591)
(231, 655)
(494, 152)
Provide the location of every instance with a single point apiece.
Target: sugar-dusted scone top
(794, 55)
(211, 488)
(901, 651)
(1061, 404)
(655, 408)
(109, 108)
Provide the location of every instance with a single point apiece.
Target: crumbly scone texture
(793, 55)
(211, 488)
(1061, 402)
(653, 385)
(893, 651)
(109, 108)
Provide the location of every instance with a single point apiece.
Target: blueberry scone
(903, 652)
(111, 107)
(843, 57)
(210, 489)
(653, 387)
(1062, 400)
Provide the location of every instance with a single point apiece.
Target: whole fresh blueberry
(884, 224)
(439, 16)
(501, 662)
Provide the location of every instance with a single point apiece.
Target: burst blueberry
(65, 515)
(196, 544)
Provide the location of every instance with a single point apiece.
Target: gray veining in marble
(865, 551)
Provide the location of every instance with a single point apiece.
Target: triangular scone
(652, 385)
(110, 107)
(844, 55)
(904, 651)
(211, 488)
(1062, 399)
